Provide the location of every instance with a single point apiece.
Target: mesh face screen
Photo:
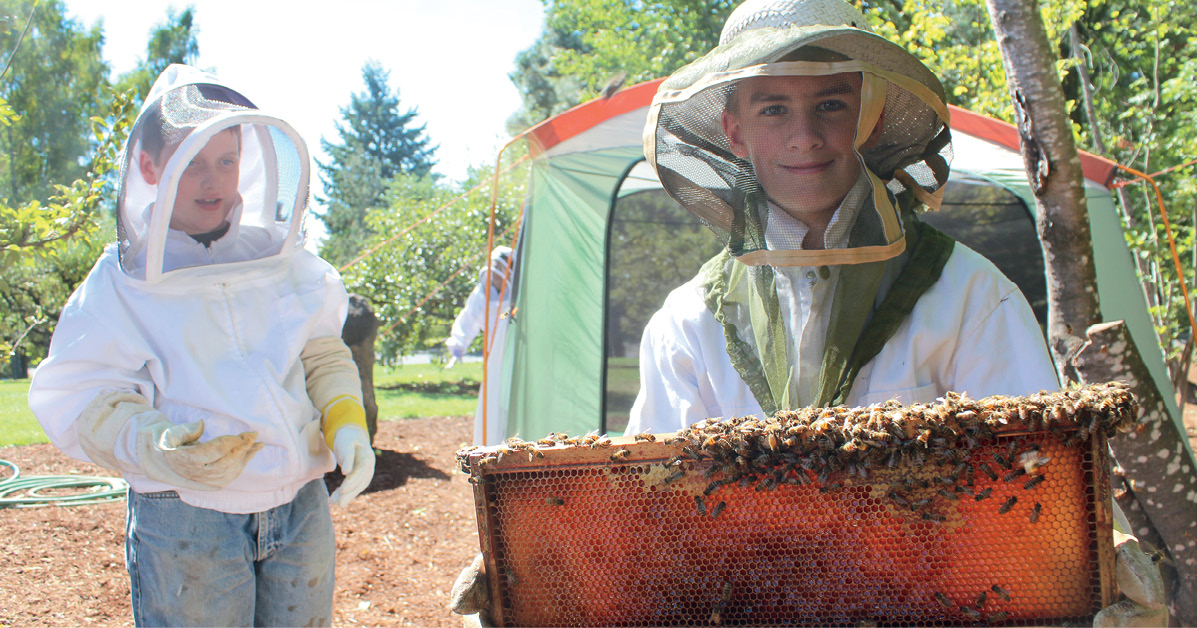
(997, 525)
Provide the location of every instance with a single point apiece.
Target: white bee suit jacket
(972, 331)
(469, 323)
(210, 333)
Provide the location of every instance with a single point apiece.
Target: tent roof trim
(584, 117)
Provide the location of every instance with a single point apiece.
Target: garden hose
(60, 490)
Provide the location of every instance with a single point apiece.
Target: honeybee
(1002, 593)
(898, 499)
(998, 617)
(718, 509)
(834, 486)
(981, 597)
(983, 494)
(1035, 512)
(646, 436)
(987, 470)
(490, 459)
(947, 495)
(943, 599)
(1014, 475)
(675, 476)
(1005, 508)
(973, 613)
(1033, 482)
(620, 454)
(702, 507)
(934, 516)
(915, 505)
(554, 501)
(1000, 459)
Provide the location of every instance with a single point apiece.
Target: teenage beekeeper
(474, 317)
(806, 143)
(202, 358)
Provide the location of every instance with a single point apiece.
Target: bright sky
(301, 61)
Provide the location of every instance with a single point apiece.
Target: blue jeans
(192, 566)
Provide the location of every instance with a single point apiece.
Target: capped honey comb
(962, 512)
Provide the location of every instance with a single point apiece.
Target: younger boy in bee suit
(208, 320)
(805, 142)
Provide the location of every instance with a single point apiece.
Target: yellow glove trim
(338, 414)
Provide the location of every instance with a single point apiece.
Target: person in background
(472, 319)
(202, 359)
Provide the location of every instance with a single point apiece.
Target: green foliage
(1139, 53)
(1144, 75)
(378, 143)
(419, 279)
(587, 43)
(48, 248)
(53, 84)
(52, 233)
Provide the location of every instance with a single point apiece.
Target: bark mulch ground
(399, 545)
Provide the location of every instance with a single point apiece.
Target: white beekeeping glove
(169, 453)
(355, 456)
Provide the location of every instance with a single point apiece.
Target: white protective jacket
(470, 321)
(972, 331)
(204, 332)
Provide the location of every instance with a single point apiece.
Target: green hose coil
(68, 490)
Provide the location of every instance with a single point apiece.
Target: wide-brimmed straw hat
(685, 141)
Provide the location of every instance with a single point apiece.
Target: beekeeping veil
(207, 179)
(902, 144)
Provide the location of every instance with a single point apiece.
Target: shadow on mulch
(392, 469)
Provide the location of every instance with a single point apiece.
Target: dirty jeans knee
(295, 575)
(192, 566)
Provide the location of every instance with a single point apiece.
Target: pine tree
(378, 142)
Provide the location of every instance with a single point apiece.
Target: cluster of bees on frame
(834, 446)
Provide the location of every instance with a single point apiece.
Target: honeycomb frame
(630, 531)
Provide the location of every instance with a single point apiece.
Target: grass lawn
(17, 425)
(402, 392)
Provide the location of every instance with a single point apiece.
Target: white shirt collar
(783, 232)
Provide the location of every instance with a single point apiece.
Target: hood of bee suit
(208, 182)
(901, 138)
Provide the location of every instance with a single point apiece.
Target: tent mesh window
(653, 246)
(993, 511)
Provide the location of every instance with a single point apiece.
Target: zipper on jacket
(228, 306)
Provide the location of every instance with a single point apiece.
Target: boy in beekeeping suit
(202, 358)
(806, 143)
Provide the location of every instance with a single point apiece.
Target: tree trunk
(1159, 468)
(361, 327)
(1154, 460)
(1054, 170)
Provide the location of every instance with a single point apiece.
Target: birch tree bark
(1158, 465)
